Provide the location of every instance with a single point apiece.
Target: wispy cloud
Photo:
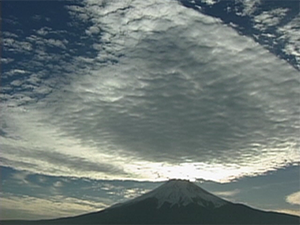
(18, 207)
(294, 198)
(290, 32)
(227, 193)
(250, 6)
(269, 18)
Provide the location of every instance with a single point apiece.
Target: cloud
(289, 211)
(227, 193)
(210, 2)
(20, 178)
(269, 18)
(6, 60)
(250, 6)
(273, 26)
(168, 92)
(57, 163)
(58, 184)
(122, 193)
(289, 33)
(27, 207)
(294, 198)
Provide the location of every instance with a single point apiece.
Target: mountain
(178, 193)
(175, 202)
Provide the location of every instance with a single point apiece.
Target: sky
(102, 101)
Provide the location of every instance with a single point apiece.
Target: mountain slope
(181, 193)
(176, 202)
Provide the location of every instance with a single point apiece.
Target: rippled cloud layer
(166, 92)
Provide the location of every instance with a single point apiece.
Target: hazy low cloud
(289, 211)
(27, 207)
(294, 198)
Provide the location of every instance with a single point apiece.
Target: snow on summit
(181, 193)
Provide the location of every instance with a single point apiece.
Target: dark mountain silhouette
(175, 202)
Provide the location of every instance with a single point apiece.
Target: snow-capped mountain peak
(181, 193)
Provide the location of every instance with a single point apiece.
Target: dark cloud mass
(186, 91)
